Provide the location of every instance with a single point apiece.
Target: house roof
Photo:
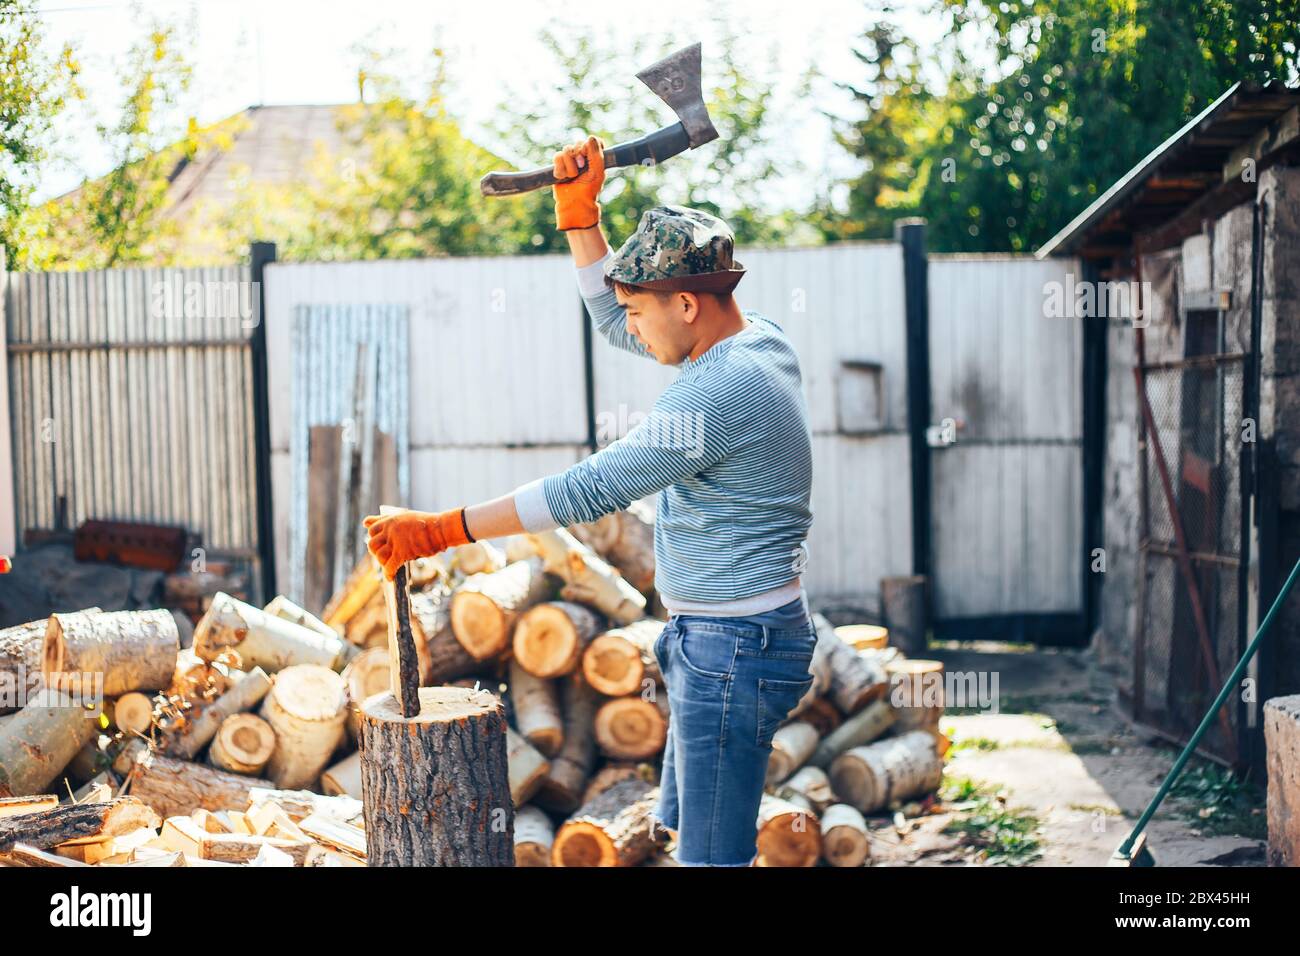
(1186, 166)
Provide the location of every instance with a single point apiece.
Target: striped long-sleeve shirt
(728, 447)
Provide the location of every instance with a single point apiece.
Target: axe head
(676, 80)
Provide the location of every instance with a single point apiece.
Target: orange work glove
(575, 201)
(398, 538)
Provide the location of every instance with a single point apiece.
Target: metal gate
(1191, 584)
(133, 397)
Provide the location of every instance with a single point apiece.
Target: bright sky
(246, 52)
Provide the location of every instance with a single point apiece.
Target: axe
(676, 80)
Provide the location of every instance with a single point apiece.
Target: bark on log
(788, 835)
(534, 836)
(536, 706)
(485, 607)
(856, 680)
(527, 768)
(263, 640)
(177, 787)
(618, 662)
(550, 638)
(307, 707)
(614, 829)
(244, 694)
(614, 772)
(76, 821)
(845, 837)
(895, 768)
(126, 650)
(792, 745)
(20, 661)
(858, 731)
(282, 607)
(435, 787)
(588, 579)
(631, 728)
(812, 784)
(39, 741)
(626, 539)
(243, 744)
(561, 790)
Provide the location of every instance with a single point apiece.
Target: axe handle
(648, 150)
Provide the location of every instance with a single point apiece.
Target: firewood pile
(243, 748)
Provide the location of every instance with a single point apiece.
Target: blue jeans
(731, 681)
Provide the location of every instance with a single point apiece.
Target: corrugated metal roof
(1181, 169)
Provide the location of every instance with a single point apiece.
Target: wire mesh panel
(1189, 635)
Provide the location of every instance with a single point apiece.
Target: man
(728, 448)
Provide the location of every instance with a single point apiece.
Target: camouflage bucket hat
(678, 249)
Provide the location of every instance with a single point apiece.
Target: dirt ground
(1060, 758)
(1057, 777)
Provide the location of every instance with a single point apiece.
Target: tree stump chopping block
(435, 787)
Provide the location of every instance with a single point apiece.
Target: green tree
(1078, 92)
(34, 88)
(121, 218)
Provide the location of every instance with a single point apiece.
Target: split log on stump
(561, 791)
(536, 705)
(631, 728)
(403, 660)
(855, 680)
(243, 744)
(133, 713)
(485, 607)
(478, 557)
(534, 836)
(788, 835)
(366, 675)
(845, 837)
(626, 539)
(617, 662)
(76, 821)
(614, 829)
(126, 650)
(244, 694)
(307, 708)
(358, 590)
(895, 768)
(527, 765)
(858, 731)
(550, 638)
(588, 579)
(810, 783)
(177, 787)
(262, 639)
(916, 693)
(436, 786)
(21, 650)
(344, 778)
(792, 745)
(39, 741)
(442, 658)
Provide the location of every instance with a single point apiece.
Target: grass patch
(1005, 836)
(1218, 802)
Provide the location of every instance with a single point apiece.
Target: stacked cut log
(247, 748)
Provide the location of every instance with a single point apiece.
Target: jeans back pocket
(776, 698)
